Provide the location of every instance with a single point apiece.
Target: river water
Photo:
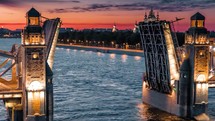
(93, 86)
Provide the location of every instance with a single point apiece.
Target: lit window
(193, 23)
(33, 20)
(200, 23)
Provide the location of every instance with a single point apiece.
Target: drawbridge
(160, 55)
(176, 77)
(30, 65)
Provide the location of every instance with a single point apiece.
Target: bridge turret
(33, 17)
(197, 33)
(33, 33)
(197, 46)
(28, 96)
(197, 20)
(34, 68)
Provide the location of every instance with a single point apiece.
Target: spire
(135, 27)
(158, 16)
(151, 13)
(145, 15)
(151, 16)
(114, 28)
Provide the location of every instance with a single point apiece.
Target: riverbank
(103, 49)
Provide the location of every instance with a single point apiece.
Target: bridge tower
(197, 49)
(28, 95)
(34, 68)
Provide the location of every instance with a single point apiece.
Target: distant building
(102, 30)
(114, 28)
(136, 28)
(151, 16)
(64, 30)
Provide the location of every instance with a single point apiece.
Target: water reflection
(89, 52)
(82, 50)
(149, 113)
(112, 56)
(124, 58)
(137, 58)
(68, 50)
(100, 54)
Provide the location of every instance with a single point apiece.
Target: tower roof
(197, 16)
(33, 13)
(151, 14)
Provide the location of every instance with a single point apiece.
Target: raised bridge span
(28, 95)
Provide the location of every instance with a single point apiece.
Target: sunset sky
(81, 14)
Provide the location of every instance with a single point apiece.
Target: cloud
(16, 3)
(11, 3)
(162, 5)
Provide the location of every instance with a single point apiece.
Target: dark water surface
(90, 86)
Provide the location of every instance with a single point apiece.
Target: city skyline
(80, 14)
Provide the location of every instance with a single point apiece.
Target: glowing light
(42, 42)
(137, 58)
(7, 95)
(30, 95)
(184, 55)
(26, 42)
(214, 49)
(211, 85)
(124, 58)
(174, 74)
(99, 53)
(112, 56)
(35, 86)
(35, 55)
(42, 94)
(172, 82)
(211, 75)
(17, 95)
(201, 78)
